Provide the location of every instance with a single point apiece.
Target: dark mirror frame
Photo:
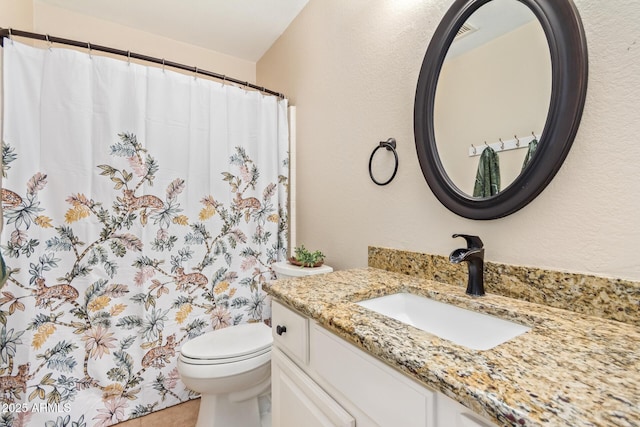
(568, 48)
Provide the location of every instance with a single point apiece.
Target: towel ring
(390, 145)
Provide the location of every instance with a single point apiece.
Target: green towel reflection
(488, 176)
(530, 152)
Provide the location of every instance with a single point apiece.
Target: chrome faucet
(473, 255)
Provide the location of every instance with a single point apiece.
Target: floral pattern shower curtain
(142, 208)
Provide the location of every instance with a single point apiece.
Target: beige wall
(351, 69)
(16, 14)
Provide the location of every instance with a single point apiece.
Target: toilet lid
(230, 344)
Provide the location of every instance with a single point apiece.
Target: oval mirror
(505, 74)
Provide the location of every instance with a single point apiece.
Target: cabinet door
(298, 401)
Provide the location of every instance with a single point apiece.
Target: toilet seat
(222, 361)
(228, 345)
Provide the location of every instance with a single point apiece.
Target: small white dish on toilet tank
(476, 331)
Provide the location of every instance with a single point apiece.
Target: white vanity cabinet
(297, 400)
(319, 379)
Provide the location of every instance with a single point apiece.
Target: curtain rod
(10, 32)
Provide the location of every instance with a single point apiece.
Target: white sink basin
(476, 331)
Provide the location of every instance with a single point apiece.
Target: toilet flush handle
(281, 329)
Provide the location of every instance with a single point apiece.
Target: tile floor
(182, 415)
(265, 409)
(186, 414)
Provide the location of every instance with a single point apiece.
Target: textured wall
(351, 68)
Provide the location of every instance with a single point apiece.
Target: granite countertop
(568, 370)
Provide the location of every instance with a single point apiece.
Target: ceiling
(242, 28)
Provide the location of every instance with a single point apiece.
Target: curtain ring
(128, 57)
(163, 65)
(474, 149)
(89, 48)
(10, 36)
(517, 140)
(501, 143)
(48, 41)
(390, 145)
(195, 75)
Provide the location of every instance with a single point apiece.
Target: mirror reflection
(494, 89)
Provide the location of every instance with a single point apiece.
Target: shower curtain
(142, 208)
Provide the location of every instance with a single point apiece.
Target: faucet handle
(473, 242)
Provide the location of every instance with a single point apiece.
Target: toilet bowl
(230, 368)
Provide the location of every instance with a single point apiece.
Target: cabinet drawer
(290, 332)
(375, 388)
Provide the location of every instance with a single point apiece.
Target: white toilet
(230, 368)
